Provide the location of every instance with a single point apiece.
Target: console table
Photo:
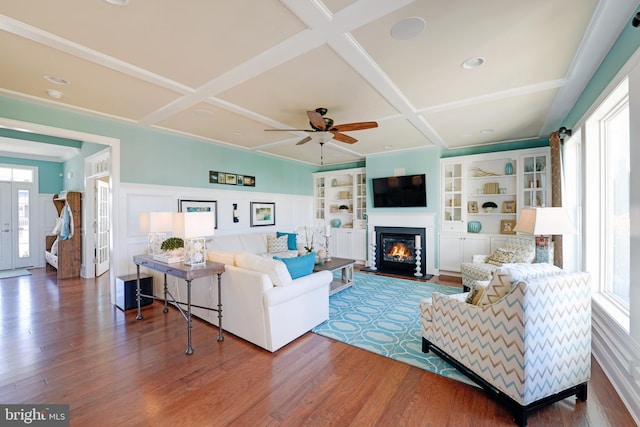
(186, 273)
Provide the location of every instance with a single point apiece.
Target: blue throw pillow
(292, 238)
(299, 266)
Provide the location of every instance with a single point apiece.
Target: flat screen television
(406, 191)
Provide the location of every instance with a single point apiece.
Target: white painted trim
(619, 358)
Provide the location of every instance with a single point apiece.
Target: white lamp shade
(193, 224)
(547, 221)
(156, 222)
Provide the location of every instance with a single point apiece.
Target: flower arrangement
(308, 241)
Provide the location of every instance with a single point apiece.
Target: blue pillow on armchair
(299, 266)
(292, 240)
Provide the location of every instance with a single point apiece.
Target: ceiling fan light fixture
(408, 28)
(473, 63)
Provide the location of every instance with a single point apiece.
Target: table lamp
(543, 223)
(194, 227)
(156, 225)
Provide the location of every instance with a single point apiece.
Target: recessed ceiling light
(57, 80)
(55, 94)
(236, 132)
(118, 2)
(408, 28)
(203, 112)
(471, 63)
(488, 130)
(387, 146)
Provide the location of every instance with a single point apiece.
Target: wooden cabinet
(67, 257)
(340, 200)
(456, 248)
(349, 243)
(482, 195)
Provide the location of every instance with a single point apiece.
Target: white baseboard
(618, 355)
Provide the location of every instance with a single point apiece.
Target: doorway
(18, 190)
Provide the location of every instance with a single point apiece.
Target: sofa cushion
(499, 286)
(275, 269)
(501, 256)
(524, 247)
(299, 266)
(292, 240)
(277, 244)
(226, 258)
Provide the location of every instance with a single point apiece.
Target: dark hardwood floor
(65, 343)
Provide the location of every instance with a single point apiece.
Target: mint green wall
(626, 45)
(49, 173)
(152, 157)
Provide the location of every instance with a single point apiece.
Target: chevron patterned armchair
(526, 340)
(519, 248)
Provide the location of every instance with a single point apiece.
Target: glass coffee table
(346, 265)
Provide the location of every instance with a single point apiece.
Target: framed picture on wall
(199, 206)
(263, 214)
(507, 226)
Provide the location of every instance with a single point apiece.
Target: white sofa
(259, 303)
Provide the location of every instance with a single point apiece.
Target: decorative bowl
(474, 226)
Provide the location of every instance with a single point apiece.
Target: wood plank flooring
(65, 343)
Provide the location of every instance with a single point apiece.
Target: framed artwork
(199, 206)
(507, 226)
(222, 178)
(472, 207)
(249, 181)
(240, 180)
(231, 178)
(509, 206)
(263, 214)
(213, 177)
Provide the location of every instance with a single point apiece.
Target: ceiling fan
(319, 123)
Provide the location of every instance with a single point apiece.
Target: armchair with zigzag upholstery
(526, 340)
(519, 248)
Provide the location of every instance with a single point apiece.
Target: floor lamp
(543, 223)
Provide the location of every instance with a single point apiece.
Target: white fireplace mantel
(418, 220)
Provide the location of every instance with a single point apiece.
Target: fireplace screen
(398, 249)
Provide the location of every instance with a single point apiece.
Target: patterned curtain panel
(556, 189)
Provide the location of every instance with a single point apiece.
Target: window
(606, 198)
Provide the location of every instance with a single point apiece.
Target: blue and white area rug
(382, 315)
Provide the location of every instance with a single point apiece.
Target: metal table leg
(189, 347)
(220, 337)
(138, 298)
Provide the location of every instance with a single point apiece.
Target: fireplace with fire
(396, 250)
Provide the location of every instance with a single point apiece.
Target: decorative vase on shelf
(508, 168)
(474, 226)
(336, 223)
(334, 182)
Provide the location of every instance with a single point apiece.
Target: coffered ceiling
(224, 71)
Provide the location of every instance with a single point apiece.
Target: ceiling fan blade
(304, 141)
(342, 137)
(289, 130)
(346, 127)
(316, 120)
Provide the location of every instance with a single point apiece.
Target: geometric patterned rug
(382, 315)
